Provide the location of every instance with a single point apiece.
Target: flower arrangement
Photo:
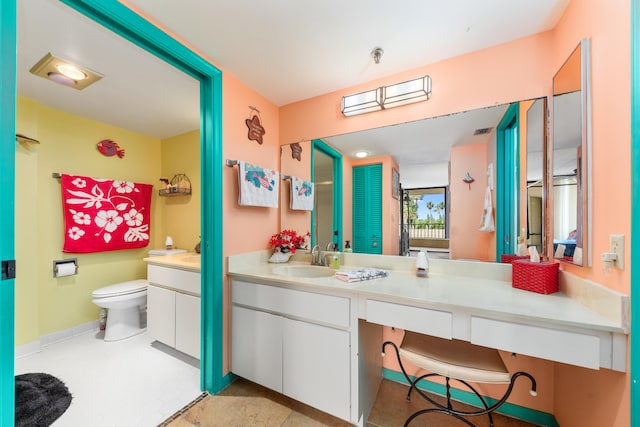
(288, 241)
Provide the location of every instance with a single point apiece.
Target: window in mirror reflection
(425, 221)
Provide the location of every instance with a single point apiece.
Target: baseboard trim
(515, 411)
(45, 340)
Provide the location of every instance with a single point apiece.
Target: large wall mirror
(570, 159)
(425, 151)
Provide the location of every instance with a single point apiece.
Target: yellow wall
(68, 145)
(181, 214)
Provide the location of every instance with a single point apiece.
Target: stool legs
(448, 409)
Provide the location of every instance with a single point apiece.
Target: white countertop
(184, 261)
(477, 288)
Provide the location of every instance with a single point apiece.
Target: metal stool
(454, 360)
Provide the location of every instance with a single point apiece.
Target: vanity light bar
(363, 102)
(406, 92)
(391, 96)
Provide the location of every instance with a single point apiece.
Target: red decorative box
(509, 258)
(540, 277)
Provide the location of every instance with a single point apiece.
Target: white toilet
(123, 301)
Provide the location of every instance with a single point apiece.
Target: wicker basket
(539, 277)
(509, 258)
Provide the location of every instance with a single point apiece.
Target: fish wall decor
(110, 148)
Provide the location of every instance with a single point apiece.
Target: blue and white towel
(258, 186)
(361, 274)
(301, 194)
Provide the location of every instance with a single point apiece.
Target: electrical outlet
(616, 245)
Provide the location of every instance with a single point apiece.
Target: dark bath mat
(40, 399)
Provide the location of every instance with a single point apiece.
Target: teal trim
(507, 181)
(634, 338)
(7, 194)
(508, 409)
(121, 20)
(320, 145)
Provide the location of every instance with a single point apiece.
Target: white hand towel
(301, 194)
(258, 186)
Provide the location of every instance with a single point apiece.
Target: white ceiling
(286, 50)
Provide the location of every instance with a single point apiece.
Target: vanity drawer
(552, 344)
(422, 320)
(174, 278)
(320, 308)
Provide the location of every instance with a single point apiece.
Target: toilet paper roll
(66, 269)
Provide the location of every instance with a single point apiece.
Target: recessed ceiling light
(71, 71)
(64, 72)
(361, 154)
(62, 79)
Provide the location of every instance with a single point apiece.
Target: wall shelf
(180, 185)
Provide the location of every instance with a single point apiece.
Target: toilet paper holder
(65, 267)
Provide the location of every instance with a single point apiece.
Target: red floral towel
(104, 215)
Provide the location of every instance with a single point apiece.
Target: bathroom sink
(195, 259)
(305, 271)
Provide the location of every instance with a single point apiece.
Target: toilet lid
(123, 288)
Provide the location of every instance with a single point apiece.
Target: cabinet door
(256, 347)
(188, 324)
(316, 367)
(161, 314)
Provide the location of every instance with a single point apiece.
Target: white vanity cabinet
(173, 308)
(295, 342)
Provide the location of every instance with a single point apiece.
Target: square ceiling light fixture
(65, 72)
(363, 102)
(394, 95)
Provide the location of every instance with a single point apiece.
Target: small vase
(280, 257)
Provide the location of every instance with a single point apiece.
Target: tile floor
(139, 383)
(117, 384)
(247, 404)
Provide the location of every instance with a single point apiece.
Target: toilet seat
(119, 289)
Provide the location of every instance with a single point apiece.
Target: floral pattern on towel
(104, 215)
(304, 188)
(258, 177)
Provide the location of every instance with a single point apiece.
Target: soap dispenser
(422, 265)
(347, 246)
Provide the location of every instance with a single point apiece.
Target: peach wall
(492, 76)
(245, 228)
(466, 241)
(605, 393)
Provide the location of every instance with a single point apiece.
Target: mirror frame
(544, 103)
(585, 162)
(320, 145)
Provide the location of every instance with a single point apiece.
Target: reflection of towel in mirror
(258, 186)
(301, 194)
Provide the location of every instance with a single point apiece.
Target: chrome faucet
(332, 246)
(315, 255)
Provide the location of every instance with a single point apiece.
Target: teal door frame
(124, 22)
(7, 195)
(318, 144)
(507, 181)
(129, 25)
(634, 337)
